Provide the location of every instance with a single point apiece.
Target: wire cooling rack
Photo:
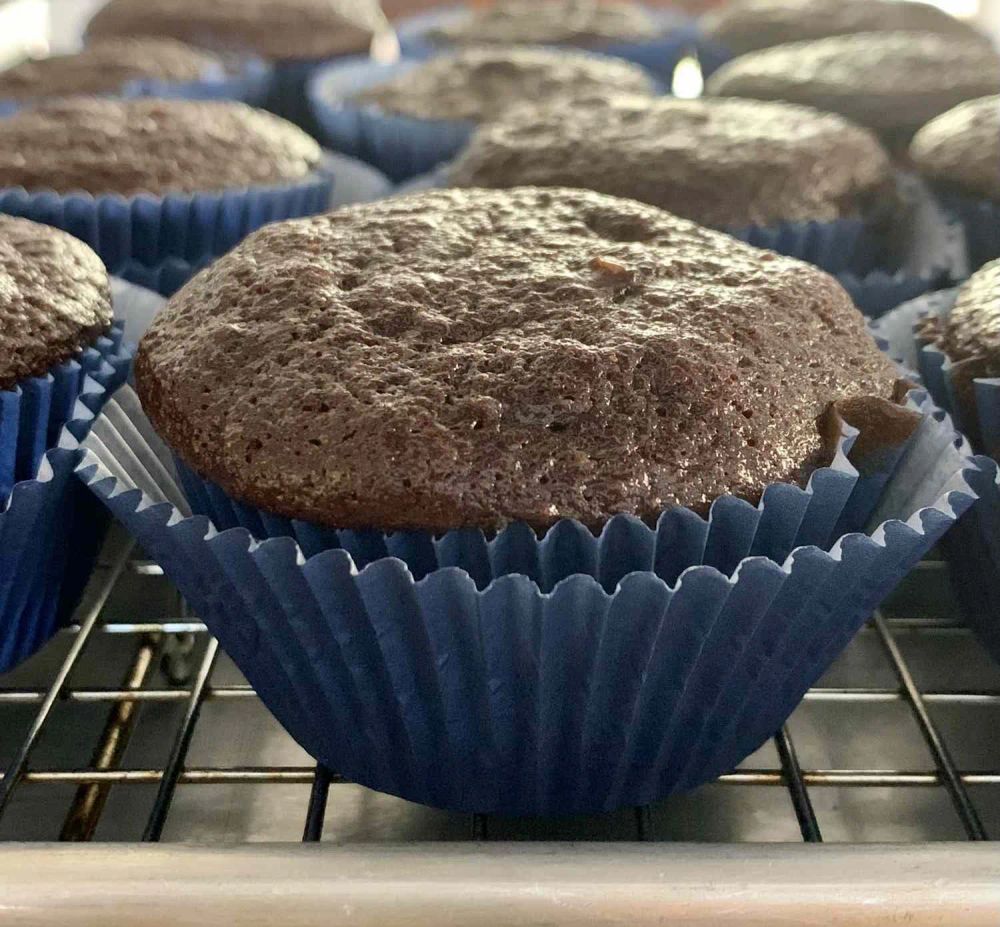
(133, 726)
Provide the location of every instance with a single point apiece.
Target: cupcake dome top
(285, 30)
(54, 298)
(720, 162)
(890, 82)
(971, 331)
(556, 22)
(106, 67)
(475, 357)
(960, 149)
(477, 84)
(749, 25)
(150, 146)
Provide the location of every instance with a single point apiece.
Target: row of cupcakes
(524, 500)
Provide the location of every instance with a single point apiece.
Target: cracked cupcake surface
(478, 84)
(473, 357)
(55, 298)
(150, 146)
(721, 162)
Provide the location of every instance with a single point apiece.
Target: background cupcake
(128, 67)
(293, 35)
(147, 181)
(656, 39)
(890, 82)
(742, 26)
(804, 183)
(959, 153)
(953, 340)
(435, 379)
(409, 117)
(61, 355)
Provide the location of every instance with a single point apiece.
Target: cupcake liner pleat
(972, 550)
(660, 55)
(148, 230)
(288, 93)
(560, 674)
(980, 220)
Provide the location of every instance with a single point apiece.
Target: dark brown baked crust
(54, 298)
(554, 22)
(720, 162)
(749, 25)
(960, 149)
(891, 82)
(150, 146)
(106, 67)
(471, 357)
(972, 328)
(286, 30)
(479, 84)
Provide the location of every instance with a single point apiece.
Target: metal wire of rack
(190, 687)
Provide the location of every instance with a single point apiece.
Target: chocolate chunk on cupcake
(722, 162)
(55, 299)
(285, 30)
(891, 82)
(107, 67)
(960, 150)
(749, 25)
(150, 146)
(474, 357)
(478, 84)
(558, 22)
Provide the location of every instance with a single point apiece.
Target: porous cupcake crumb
(478, 84)
(150, 146)
(54, 298)
(472, 357)
(721, 162)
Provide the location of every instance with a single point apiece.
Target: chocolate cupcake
(891, 82)
(959, 153)
(749, 25)
(59, 356)
(146, 180)
(656, 39)
(108, 67)
(293, 35)
(409, 117)
(497, 374)
(509, 412)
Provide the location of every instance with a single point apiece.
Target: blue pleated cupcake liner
(402, 147)
(50, 531)
(980, 220)
(680, 39)
(538, 675)
(147, 230)
(927, 250)
(973, 548)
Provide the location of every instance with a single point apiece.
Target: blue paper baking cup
(539, 675)
(980, 220)
(50, 531)
(148, 230)
(679, 38)
(973, 548)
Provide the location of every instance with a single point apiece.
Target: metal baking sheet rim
(944, 885)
